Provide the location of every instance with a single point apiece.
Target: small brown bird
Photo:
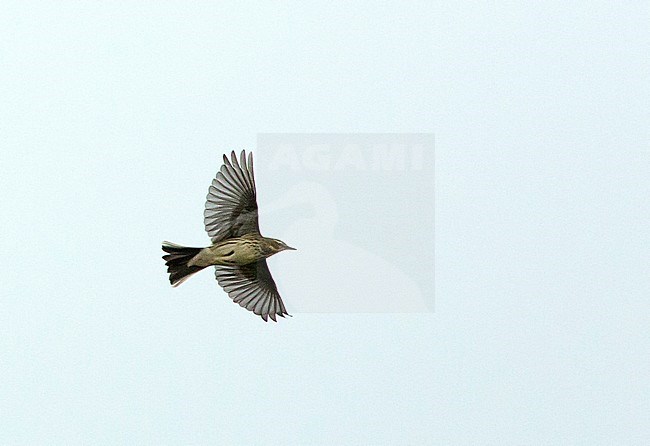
(238, 250)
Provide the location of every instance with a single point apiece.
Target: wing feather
(231, 203)
(252, 287)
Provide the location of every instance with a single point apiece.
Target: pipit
(238, 250)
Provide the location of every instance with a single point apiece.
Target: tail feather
(176, 261)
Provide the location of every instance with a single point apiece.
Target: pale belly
(230, 252)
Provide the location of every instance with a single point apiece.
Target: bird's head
(276, 246)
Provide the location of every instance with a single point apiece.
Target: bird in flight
(238, 250)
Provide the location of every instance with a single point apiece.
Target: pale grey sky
(113, 119)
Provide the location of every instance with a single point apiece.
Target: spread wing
(252, 287)
(231, 204)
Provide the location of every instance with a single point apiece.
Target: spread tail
(176, 261)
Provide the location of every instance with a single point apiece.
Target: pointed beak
(290, 248)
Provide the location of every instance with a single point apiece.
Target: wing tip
(273, 316)
(237, 160)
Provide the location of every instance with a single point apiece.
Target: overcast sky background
(113, 118)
